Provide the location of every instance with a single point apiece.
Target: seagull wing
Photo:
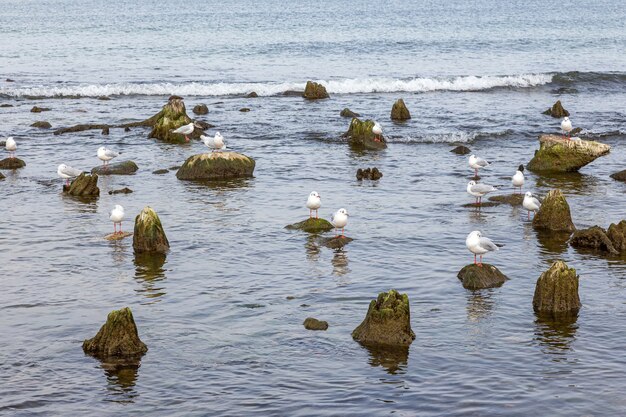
(71, 172)
(481, 162)
(482, 188)
(487, 244)
(111, 154)
(536, 202)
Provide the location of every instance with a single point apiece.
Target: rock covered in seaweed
(124, 190)
(172, 116)
(117, 338)
(557, 154)
(12, 163)
(118, 168)
(84, 185)
(41, 125)
(312, 225)
(216, 166)
(200, 109)
(252, 94)
(554, 213)
(336, 242)
(311, 323)
(399, 111)
(617, 235)
(360, 135)
(368, 174)
(314, 91)
(557, 111)
(346, 112)
(593, 238)
(148, 234)
(512, 199)
(36, 109)
(387, 322)
(556, 292)
(461, 150)
(619, 176)
(476, 277)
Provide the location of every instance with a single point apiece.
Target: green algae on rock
(346, 112)
(148, 234)
(388, 321)
(12, 163)
(314, 91)
(554, 213)
(118, 168)
(311, 323)
(200, 109)
(617, 235)
(556, 292)
(117, 338)
(336, 242)
(557, 111)
(512, 199)
(312, 225)
(360, 135)
(557, 154)
(216, 166)
(399, 111)
(41, 125)
(476, 277)
(172, 116)
(84, 185)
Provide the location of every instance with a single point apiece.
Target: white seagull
(215, 143)
(314, 202)
(377, 130)
(566, 127)
(117, 215)
(105, 155)
(530, 203)
(518, 179)
(340, 220)
(479, 245)
(479, 190)
(67, 172)
(185, 130)
(476, 163)
(11, 146)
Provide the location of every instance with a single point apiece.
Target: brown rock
(201, 109)
(117, 338)
(41, 125)
(252, 95)
(84, 185)
(124, 190)
(149, 235)
(348, 113)
(593, 238)
(244, 109)
(619, 176)
(314, 91)
(476, 277)
(388, 321)
(36, 109)
(311, 323)
(557, 110)
(360, 135)
(617, 234)
(461, 150)
(557, 154)
(554, 213)
(216, 166)
(399, 111)
(556, 292)
(12, 163)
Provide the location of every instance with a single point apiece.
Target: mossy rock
(149, 235)
(312, 225)
(253, 94)
(124, 190)
(12, 163)
(117, 338)
(512, 199)
(346, 112)
(461, 150)
(161, 171)
(84, 185)
(619, 176)
(554, 213)
(360, 135)
(368, 174)
(399, 111)
(557, 154)
(118, 168)
(475, 277)
(387, 322)
(216, 166)
(314, 91)
(557, 111)
(172, 116)
(36, 109)
(556, 292)
(311, 323)
(336, 242)
(593, 238)
(41, 125)
(200, 109)
(617, 235)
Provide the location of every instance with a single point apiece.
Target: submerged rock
(104, 98)
(461, 150)
(399, 111)
(594, 238)
(84, 185)
(161, 171)
(124, 190)
(336, 242)
(388, 321)
(253, 94)
(244, 109)
(476, 277)
(200, 109)
(557, 154)
(105, 130)
(149, 235)
(554, 213)
(360, 135)
(314, 91)
(216, 166)
(117, 338)
(348, 113)
(293, 93)
(512, 199)
(118, 168)
(6, 105)
(311, 323)
(36, 109)
(557, 110)
(556, 292)
(312, 225)
(368, 174)
(41, 125)
(172, 116)
(2, 176)
(12, 163)
(619, 176)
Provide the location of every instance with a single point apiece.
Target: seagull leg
(317, 215)
(186, 138)
(474, 259)
(343, 235)
(481, 261)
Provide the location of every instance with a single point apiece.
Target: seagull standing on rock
(105, 155)
(314, 202)
(518, 179)
(67, 172)
(477, 163)
(378, 131)
(530, 203)
(479, 245)
(215, 143)
(185, 130)
(117, 215)
(566, 127)
(11, 146)
(340, 220)
(479, 190)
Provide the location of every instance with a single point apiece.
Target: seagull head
(528, 194)
(520, 168)
(315, 194)
(566, 119)
(471, 183)
(62, 167)
(343, 211)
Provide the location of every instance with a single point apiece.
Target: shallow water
(222, 313)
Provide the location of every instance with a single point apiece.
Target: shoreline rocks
(557, 111)
(556, 291)
(554, 214)
(476, 277)
(311, 323)
(84, 185)
(312, 225)
(557, 154)
(118, 168)
(12, 163)
(117, 338)
(314, 91)
(399, 111)
(387, 322)
(360, 135)
(216, 166)
(149, 235)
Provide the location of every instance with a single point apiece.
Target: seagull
(117, 215)
(530, 203)
(518, 179)
(479, 245)
(479, 190)
(11, 146)
(377, 130)
(185, 130)
(215, 143)
(566, 127)
(105, 155)
(477, 163)
(314, 202)
(68, 172)
(340, 220)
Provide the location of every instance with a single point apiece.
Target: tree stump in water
(117, 338)
(388, 321)
(556, 292)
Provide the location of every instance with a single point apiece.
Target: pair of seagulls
(215, 143)
(67, 172)
(339, 219)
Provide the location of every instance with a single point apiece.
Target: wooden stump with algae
(556, 292)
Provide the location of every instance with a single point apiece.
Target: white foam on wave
(451, 137)
(344, 86)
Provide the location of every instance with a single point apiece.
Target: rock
(117, 338)
(9, 80)
(617, 234)
(619, 176)
(311, 323)
(252, 95)
(314, 91)
(483, 204)
(216, 166)
(348, 113)
(388, 321)
(161, 171)
(149, 235)
(2, 176)
(124, 190)
(6, 105)
(556, 292)
(200, 109)
(399, 111)
(554, 213)
(557, 110)
(594, 238)
(172, 116)
(476, 277)
(104, 98)
(41, 125)
(512, 199)
(369, 174)
(105, 130)
(204, 125)
(575, 131)
(244, 109)
(461, 150)
(556, 154)
(293, 93)
(84, 185)
(36, 109)
(360, 135)
(117, 236)
(312, 225)
(127, 129)
(118, 168)
(336, 242)
(174, 168)
(12, 163)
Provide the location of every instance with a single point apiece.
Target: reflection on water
(554, 243)
(393, 359)
(479, 304)
(80, 204)
(340, 263)
(121, 377)
(120, 250)
(149, 271)
(312, 248)
(220, 185)
(555, 335)
(569, 182)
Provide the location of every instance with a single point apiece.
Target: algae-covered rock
(84, 185)
(124, 190)
(311, 323)
(118, 168)
(200, 109)
(388, 321)
(368, 174)
(314, 91)
(593, 238)
(617, 234)
(244, 109)
(253, 94)
(346, 112)
(161, 171)
(461, 150)
(476, 277)
(36, 109)
(12, 163)
(557, 110)
(336, 242)
(399, 111)
(512, 199)
(41, 125)
(216, 166)
(360, 135)
(619, 176)
(172, 116)
(558, 154)
(149, 235)
(554, 213)
(117, 338)
(556, 292)
(312, 225)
